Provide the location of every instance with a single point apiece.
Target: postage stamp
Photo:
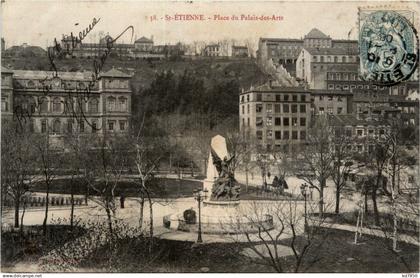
(388, 46)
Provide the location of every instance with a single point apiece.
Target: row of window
(279, 135)
(329, 98)
(330, 110)
(70, 126)
(354, 86)
(335, 59)
(287, 108)
(259, 121)
(278, 98)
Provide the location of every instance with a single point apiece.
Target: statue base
(219, 217)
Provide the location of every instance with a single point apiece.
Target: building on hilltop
(240, 51)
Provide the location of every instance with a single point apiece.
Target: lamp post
(200, 195)
(303, 190)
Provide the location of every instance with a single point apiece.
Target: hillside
(211, 71)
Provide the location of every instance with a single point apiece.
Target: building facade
(274, 116)
(239, 51)
(69, 102)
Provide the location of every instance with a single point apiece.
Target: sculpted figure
(225, 186)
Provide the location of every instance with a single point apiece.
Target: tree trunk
(337, 200)
(47, 199)
(321, 197)
(141, 213)
(366, 203)
(108, 214)
(17, 205)
(246, 179)
(72, 205)
(375, 207)
(22, 216)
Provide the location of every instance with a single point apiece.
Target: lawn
(335, 254)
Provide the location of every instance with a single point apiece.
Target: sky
(39, 22)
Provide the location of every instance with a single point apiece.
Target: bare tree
(107, 162)
(342, 163)
(17, 156)
(315, 163)
(293, 230)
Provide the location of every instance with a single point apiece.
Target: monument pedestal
(219, 216)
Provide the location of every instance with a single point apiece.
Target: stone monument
(220, 213)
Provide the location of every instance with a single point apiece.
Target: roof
(143, 40)
(331, 51)
(114, 73)
(281, 40)
(5, 70)
(276, 88)
(316, 34)
(330, 92)
(239, 46)
(36, 74)
(352, 120)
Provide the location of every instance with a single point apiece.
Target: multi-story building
(318, 67)
(285, 52)
(239, 51)
(362, 134)
(331, 102)
(68, 102)
(212, 50)
(275, 116)
(6, 93)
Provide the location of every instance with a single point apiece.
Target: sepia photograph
(209, 137)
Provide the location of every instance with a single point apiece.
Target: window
(302, 121)
(269, 108)
(56, 126)
(303, 108)
(344, 59)
(94, 126)
(294, 98)
(321, 110)
(247, 121)
(348, 132)
(259, 108)
(56, 105)
(285, 108)
(330, 86)
(339, 99)
(93, 105)
(269, 121)
(277, 121)
(269, 134)
(247, 108)
(294, 121)
(277, 135)
(111, 125)
(321, 97)
(294, 108)
(278, 98)
(303, 98)
(247, 98)
(259, 97)
(43, 102)
(294, 135)
(286, 97)
(359, 132)
(111, 103)
(122, 125)
(43, 126)
(330, 110)
(330, 98)
(286, 121)
(381, 132)
(286, 135)
(82, 126)
(259, 135)
(242, 99)
(303, 135)
(277, 108)
(339, 110)
(335, 59)
(259, 121)
(4, 104)
(123, 103)
(70, 126)
(243, 109)
(32, 105)
(337, 76)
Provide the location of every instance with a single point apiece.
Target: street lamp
(200, 195)
(303, 190)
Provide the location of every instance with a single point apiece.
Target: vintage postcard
(209, 137)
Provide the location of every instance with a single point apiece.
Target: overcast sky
(39, 22)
